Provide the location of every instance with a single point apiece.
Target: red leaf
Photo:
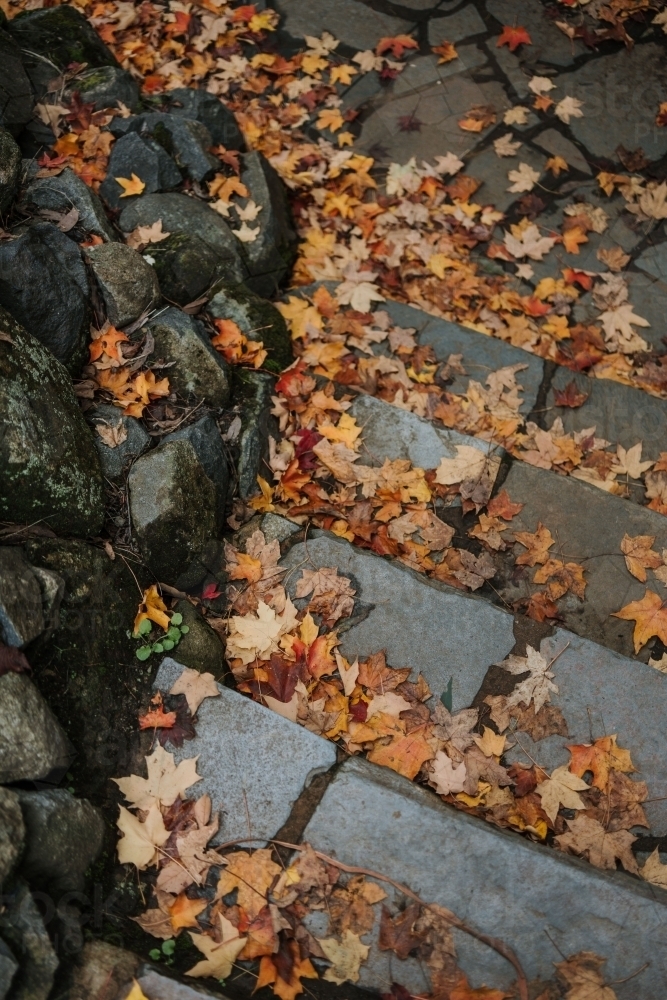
(514, 37)
(210, 592)
(570, 396)
(396, 45)
(573, 277)
(12, 660)
(157, 718)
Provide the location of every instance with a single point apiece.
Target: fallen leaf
(491, 744)
(537, 545)
(195, 687)
(165, 781)
(505, 146)
(220, 957)
(136, 993)
(650, 617)
(615, 258)
(464, 991)
(397, 45)
(468, 464)
(502, 506)
(152, 608)
(157, 718)
(513, 37)
(537, 686)
(516, 116)
(140, 841)
(556, 164)
(629, 462)
(639, 556)
(530, 243)
(112, 434)
(345, 956)
(653, 870)
(524, 178)
(561, 789)
(143, 235)
(561, 578)
(131, 186)
(398, 933)
(569, 108)
(588, 837)
(444, 776)
(571, 396)
(600, 758)
(581, 973)
(289, 962)
(252, 874)
(446, 51)
(254, 635)
(405, 754)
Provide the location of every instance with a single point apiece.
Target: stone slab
(419, 622)
(588, 526)
(620, 414)
(558, 145)
(426, 71)
(549, 44)
(351, 21)
(600, 693)
(620, 94)
(254, 763)
(156, 986)
(492, 170)
(498, 882)
(654, 261)
(455, 27)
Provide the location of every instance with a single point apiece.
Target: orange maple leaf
(464, 991)
(446, 51)
(639, 556)
(107, 344)
(247, 569)
(537, 544)
(600, 758)
(183, 912)
(540, 607)
(513, 38)
(396, 45)
(300, 968)
(147, 387)
(650, 617)
(405, 754)
(292, 481)
(157, 718)
(224, 187)
(320, 660)
(573, 238)
(131, 185)
(542, 102)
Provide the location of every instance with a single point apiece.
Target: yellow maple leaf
(346, 431)
(152, 608)
(556, 164)
(331, 119)
(130, 186)
(649, 616)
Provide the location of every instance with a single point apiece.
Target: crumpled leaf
(345, 956)
(252, 874)
(588, 837)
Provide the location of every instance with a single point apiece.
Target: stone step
(543, 904)
(621, 414)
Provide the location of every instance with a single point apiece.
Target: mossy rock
(257, 318)
(49, 467)
(62, 35)
(185, 267)
(254, 391)
(200, 648)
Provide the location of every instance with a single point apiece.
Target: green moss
(62, 34)
(185, 267)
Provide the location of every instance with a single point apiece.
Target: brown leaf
(581, 973)
(379, 678)
(639, 556)
(589, 838)
(537, 544)
(398, 933)
(570, 396)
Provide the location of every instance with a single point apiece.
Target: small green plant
(165, 953)
(164, 642)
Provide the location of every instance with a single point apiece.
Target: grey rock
(32, 744)
(21, 618)
(186, 102)
(8, 969)
(549, 44)
(58, 315)
(185, 266)
(494, 190)
(558, 145)
(253, 795)
(271, 525)
(155, 986)
(420, 623)
(272, 253)
(200, 648)
(353, 23)
(127, 283)
(102, 970)
(143, 156)
(653, 260)
(23, 928)
(257, 318)
(499, 883)
(48, 464)
(10, 169)
(513, 68)
(455, 27)
(138, 440)
(63, 838)
(180, 214)
(200, 371)
(12, 834)
(105, 87)
(185, 139)
(257, 424)
(67, 191)
(204, 437)
(619, 413)
(16, 97)
(601, 692)
(625, 88)
(172, 505)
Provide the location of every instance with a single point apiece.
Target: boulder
(172, 505)
(255, 390)
(63, 837)
(257, 319)
(181, 214)
(271, 254)
(23, 929)
(12, 835)
(44, 285)
(32, 744)
(56, 36)
(102, 971)
(210, 111)
(16, 97)
(143, 156)
(127, 283)
(105, 87)
(200, 371)
(186, 267)
(136, 439)
(204, 437)
(49, 467)
(10, 169)
(67, 191)
(201, 648)
(8, 969)
(21, 617)
(185, 139)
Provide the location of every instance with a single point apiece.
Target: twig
(495, 943)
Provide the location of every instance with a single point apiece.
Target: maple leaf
(143, 235)
(183, 911)
(332, 595)
(639, 556)
(464, 991)
(556, 164)
(561, 789)
(455, 729)
(524, 178)
(358, 290)
(570, 396)
(136, 993)
(106, 342)
(502, 506)
(629, 462)
(409, 123)
(562, 577)
(254, 635)
(111, 434)
(478, 118)
(195, 687)
(654, 871)
(650, 617)
(245, 234)
(157, 718)
(588, 837)
(505, 146)
(540, 84)
(398, 933)
(444, 776)
(529, 244)
(220, 957)
(448, 164)
(569, 108)
(537, 685)
(516, 116)
(165, 780)
(131, 186)
(140, 841)
(405, 754)
(469, 463)
(573, 238)
(446, 51)
(600, 758)
(288, 963)
(615, 258)
(581, 973)
(252, 874)
(537, 544)
(396, 44)
(513, 37)
(345, 956)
